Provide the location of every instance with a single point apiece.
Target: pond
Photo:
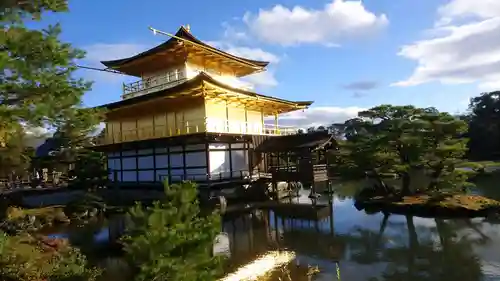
(363, 246)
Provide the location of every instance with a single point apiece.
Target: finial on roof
(187, 27)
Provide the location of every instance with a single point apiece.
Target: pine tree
(171, 240)
(405, 139)
(37, 86)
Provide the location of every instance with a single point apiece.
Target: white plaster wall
(129, 152)
(148, 151)
(145, 162)
(195, 147)
(161, 175)
(176, 160)
(129, 163)
(112, 176)
(219, 160)
(239, 159)
(196, 174)
(177, 174)
(129, 176)
(194, 159)
(175, 149)
(148, 175)
(161, 161)
(219, 163)
(114, 164)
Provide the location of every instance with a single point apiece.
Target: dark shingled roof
(45, 148)
(202, 76)
(184, 34)
(312, 141)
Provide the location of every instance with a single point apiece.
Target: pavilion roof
(183, 35)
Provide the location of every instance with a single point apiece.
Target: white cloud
(318, 116)
(101, 51)
(265, 78)
(246, 52)
(107, 51)
(464, 48)
(35, 136)
(464, 8)
(338, 20)
(233, 34)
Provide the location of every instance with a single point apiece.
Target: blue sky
(344, 55)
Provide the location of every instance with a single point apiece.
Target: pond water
(363, 246)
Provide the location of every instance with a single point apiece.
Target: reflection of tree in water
(347, 189)
(415, 256)
(367, 244)
(255, 235)
(488, 186)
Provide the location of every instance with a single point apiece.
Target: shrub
(171, 240)
(27, 258)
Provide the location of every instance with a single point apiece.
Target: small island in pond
(414, 160)
(428, 205)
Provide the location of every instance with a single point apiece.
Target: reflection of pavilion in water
(253, 235)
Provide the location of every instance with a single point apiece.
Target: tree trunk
(381, 182)
(413, 246)
(434, 177)
(405, 188)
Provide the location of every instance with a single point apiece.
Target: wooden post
(115, 179)
(276, 130)
(330, 201)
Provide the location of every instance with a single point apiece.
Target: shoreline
(425, 205)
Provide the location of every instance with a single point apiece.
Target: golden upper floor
(184, 49)
(180, 58)
(198, 105)
(174, 76)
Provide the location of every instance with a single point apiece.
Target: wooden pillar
(263, 128)
(275, 123)
(230, 161)
(184, 170)
(246, 120)
(136, 164)
(227, 127)
(331, 215)
(207, 158)
(169, 168)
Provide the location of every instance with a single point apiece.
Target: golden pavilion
(189, 116)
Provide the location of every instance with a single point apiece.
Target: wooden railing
(195, 126)
(153, 84)
(212, 177)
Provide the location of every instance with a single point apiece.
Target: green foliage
(171, 240)
(484, 127)
(86, 206)
(405, 139)
(37, 85)
(14, 155)
(27, 258)
(89, 170)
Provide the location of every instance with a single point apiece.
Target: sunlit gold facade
(188, 87)
(202, 109)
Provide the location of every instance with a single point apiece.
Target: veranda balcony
(211, 125)
(153, 84)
